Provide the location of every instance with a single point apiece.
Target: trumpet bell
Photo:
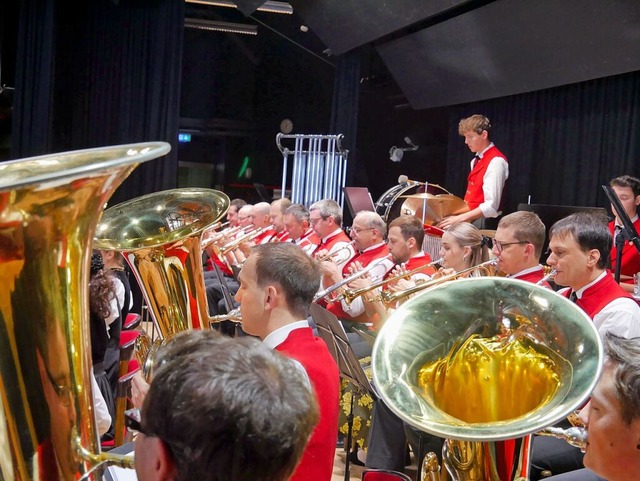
(486, 359)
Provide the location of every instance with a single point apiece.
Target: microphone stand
(628, 231)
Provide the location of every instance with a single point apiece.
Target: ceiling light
(271, 6)
(216, 26)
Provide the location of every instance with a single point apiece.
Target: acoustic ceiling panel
(346, 24)
(513, 46)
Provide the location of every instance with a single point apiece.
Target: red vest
(308, 238)
(317, 460)
(264, 237)
(332, 241)
(474, 196)
(365, 259)
(534, 277)
(419, 261)
(630, 257)
(596, 297)
(281, 237)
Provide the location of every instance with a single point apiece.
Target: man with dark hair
(612, 417)
(518, 246)
(222, 409)
(489, 172)
(580, 246)
(627, 189)
(234, 208)
(277, 284)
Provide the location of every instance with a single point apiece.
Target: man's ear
(271, 297)
(593, 256)
(165, 465)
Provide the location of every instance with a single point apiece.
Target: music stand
(334, 335)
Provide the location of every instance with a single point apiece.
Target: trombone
(389, 297)
(331, 289)
(350, 294)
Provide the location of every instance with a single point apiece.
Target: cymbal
(488, 233)
(421, 195)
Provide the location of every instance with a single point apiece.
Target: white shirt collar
(333, 234)
(525, 271)
(618, 226)
(373, 247)
(280, 335)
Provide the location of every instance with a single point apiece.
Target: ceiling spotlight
(396, 153)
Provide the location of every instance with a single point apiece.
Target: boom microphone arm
(631, 232)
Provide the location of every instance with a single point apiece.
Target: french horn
(49, 208)
(160, 237)
(481, 360)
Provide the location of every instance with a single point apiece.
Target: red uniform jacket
(596, 297)
(630, 257)
(331, 241)
(474, 196)
(317, 460)
(533, 277)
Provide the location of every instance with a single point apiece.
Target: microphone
(403, 179)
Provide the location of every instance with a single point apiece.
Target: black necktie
(573, 297)
(475, 160)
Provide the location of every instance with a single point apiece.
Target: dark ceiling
(445, 52)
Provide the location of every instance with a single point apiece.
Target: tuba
(482, 360)
(160, 236)
(49, 208)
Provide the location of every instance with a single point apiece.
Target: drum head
(390, 204)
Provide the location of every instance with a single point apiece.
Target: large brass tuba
(49, 208)
(160, 236)
(481, 360)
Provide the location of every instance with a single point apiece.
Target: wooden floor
(355, 472)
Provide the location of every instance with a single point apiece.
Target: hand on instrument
(399, 270)
(139, 389)
(447, 222)
(331, 272)
(355, 267)
(360, 282)
(401, 285)
(443, 272)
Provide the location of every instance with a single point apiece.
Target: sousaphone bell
(480, 360)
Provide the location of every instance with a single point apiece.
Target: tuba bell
(481, 360)
(160, 236)
(49, 208)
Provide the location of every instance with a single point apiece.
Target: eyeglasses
(501, 245)
(133, 421)
(355, 230)
(63, 392)
(316, 220)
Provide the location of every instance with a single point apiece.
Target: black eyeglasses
(501, 245)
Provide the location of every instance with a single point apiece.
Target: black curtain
(562, 143)
(110, 72)
(344, 110)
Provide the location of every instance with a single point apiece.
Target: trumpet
(221, 234)
(391, 297)
(350, 294)
(329, 290)
(331, 255)
(249, 236)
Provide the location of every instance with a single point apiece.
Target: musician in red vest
(627, 189)
(368, 232)
(296, 223)
(276, 218)
(518, 244)
(325, 217)
(486, 180)
(277, 283)
(580, 246)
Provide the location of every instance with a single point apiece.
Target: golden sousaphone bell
(49, 208)
(480, 360)
(160, 236)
